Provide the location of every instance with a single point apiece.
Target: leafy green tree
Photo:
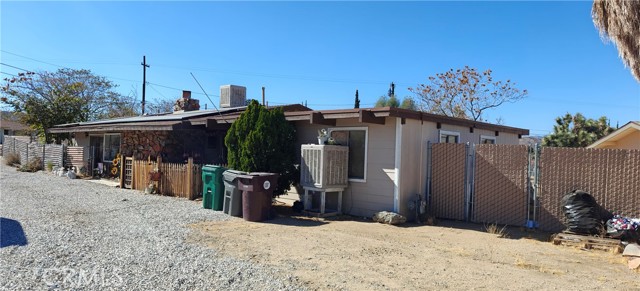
(382, 101)
(263, 140)
(577, 131)
(63, 96)
(408, 103)
(357, 101)
(392, 101)
(465, 93)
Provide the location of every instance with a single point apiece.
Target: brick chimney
(186, 103)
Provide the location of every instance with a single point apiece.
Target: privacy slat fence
(612, 177)
(520, 185)
(447, 198)
(500, 188)
(179, 180)
(75, 157)
(27, 150)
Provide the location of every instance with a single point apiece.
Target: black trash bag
(582, 212)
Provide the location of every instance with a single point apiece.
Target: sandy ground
(350, 254)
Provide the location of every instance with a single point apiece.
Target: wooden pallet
(587, 242)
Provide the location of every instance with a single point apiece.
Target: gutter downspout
(398, 164)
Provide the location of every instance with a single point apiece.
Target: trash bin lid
(213, 168)
(232, 175)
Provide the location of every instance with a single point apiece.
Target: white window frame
(366, 148)
(446, 132)
(104, 144)
(493, 138)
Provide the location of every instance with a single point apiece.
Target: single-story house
(388, 150)
(626, 137)
(11, 128)
(174, 136)
(387, 162)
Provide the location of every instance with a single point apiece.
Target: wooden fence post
(159, 166)
(190, 178)
(133, 172)
(123, 159)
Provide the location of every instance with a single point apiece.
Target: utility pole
(263, 96)
(144, 79)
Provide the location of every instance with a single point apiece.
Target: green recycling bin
(212, 187)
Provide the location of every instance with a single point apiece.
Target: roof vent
(232, 96)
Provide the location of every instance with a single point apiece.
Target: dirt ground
(350, 254)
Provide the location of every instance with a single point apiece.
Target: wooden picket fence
(178, 180)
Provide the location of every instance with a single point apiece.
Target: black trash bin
(232, 204)
(257, 192)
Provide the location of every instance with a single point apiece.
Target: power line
(154, 89)
(174, 88)
(282, 76)
(14, 67)
(9, 74)
(28, 58)
(203, 91)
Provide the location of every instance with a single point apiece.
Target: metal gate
(482, 183)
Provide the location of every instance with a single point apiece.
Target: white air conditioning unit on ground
(324, 166)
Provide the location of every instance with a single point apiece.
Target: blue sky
(321, 52)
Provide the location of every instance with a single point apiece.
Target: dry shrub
(12, 159)
(495, 229)
(431, 220)
(34, 165)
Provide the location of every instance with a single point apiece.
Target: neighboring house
(388, 150)
(626, 137)
(10, 128)
(173, 136)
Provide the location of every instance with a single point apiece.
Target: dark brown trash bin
(257, 192)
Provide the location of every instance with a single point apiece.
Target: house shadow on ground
(11, 233)
(283, 214)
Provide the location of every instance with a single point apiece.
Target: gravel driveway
(83, 235)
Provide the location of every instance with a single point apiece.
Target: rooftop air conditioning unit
(324, 166)
(232, 96)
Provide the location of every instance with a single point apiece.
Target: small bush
(495, 229)
(49, 166)
(34, 165)
(12, 159)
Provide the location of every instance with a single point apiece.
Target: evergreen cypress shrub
(263, 140)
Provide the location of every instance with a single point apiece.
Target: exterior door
(95, 147)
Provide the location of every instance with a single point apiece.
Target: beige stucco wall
(376, 194)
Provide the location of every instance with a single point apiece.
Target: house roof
(12, 125)
(377, 115)
(293, 112)
(163, 121)
(618, 134)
